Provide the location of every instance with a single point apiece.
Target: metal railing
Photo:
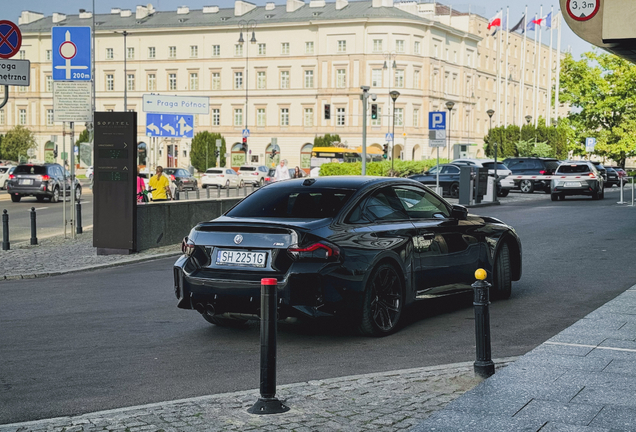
(628, 180)
(213, 192)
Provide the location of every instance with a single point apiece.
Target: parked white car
(221, 178)
(254, 174)
(502, 172)
(89, 172)
(5, 172)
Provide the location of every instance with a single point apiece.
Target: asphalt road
(111, 338)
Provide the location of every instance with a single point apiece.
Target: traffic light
(244, 146)
(217, 153)
(374, 111)
(327, 111)
(55, 152)
(385, 149)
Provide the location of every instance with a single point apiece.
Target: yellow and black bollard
(484, 366)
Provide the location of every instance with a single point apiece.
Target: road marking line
(592, 346)
(39, 208)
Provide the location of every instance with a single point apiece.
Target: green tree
(16, 143)
(203, 152)
(327, 140)
(83, 137)
(601, 88)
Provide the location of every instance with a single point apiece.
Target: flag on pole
(547, 20)
(495, 21)
(520, 25)
(541, 21)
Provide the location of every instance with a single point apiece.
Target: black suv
(532, 166)
(600, 168)
(41, 181)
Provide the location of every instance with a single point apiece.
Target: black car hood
(302, 224)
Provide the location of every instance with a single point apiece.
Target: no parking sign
(10, 39)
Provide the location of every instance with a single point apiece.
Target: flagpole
(548, 102)
(522, 84)
(498, 88)
(506, 67)
(558, 69)
(537, 67)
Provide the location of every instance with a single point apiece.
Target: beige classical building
(306, 56)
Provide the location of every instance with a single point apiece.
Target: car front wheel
(503, 193)
(554, 197)
(502, 280)
(454, 190)
(383, 302)
(56, 195)
(526, 186)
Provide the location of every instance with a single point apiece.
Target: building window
(238, 50)
(49, 117)
(416, 47)
(216, 81)
(261, 80)
(49, 53)
(436, 50)
(216, 50)
(399, 116)
(172, 52)
(130, 53)
(309, 79)
(152, 52)
(49, 83)
(399, 46)
(130, 82)
(22, 55)
(194, 81)
(172, 81)
(416, 79)
(284, 48)
(238, 117)
(376, 78)
(216, 117)
(2, 120)
(399, 78)
(341, 78)
(261, 119)
(309, 47)
(342, 46)
(262, 49)
(340, 117)
(284, 79)
(110, 82)
(455, 58)
(194, 51)
(22, 116)
(378, 121)
(309, 117)
(152, 82)
(284, 116)
(377, 45)
(238, 80)
(416, 117)
(109, 54)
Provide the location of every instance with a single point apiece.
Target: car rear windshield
(297, 203)
(30, 169)
(573, 169)
(491, 166)
(214, 171)
(247, 169)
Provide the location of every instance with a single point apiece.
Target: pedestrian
(142, 195)
(160, 186)
(297, 173)
(282, 172)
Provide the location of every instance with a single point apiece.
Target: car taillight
(187, 246)
(171, 177)
(591, 175)
(45, 178)
(221, 175)
(11, 176)
(255, 173)
(323, 251)
(542, 172)
(267, 178)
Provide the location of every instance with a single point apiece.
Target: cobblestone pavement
(388, 401)
(57, 255)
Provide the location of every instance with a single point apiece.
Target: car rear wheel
(6, 183)
(223, 322)
(261, 182)
(554, 197)
(502, 280)
(39, 198)
(56, 195)
(227, 184)
(454, 190)
(561, 197)
(383, 302)
(196, 186)
(503, 193)
(16, 198)
(241, 185)
(526, 186)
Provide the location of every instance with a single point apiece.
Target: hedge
(401, 168)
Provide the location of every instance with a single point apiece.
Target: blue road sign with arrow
(71, 53)
(170, 125)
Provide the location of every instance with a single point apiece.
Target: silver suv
(254, 174)
(576, 178)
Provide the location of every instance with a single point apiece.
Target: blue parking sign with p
(71, 48)
(437, 120)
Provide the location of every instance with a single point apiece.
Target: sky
(11, 11)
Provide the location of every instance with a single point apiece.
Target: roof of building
(225, 16)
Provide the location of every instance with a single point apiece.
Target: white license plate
(241, 258)
(26, 181)
(572, 184)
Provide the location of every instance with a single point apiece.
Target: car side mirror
(459, 212)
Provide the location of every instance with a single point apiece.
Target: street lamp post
(449, 106)
(125, 33)
(490, 113)
(247, 26)
(394, 95)
(389, 64)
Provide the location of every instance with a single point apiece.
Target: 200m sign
(583, 10)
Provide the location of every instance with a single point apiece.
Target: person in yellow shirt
(161, 186)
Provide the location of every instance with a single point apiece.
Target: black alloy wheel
(526, 186)
(383, 302)
(454, 190)
(502, 278)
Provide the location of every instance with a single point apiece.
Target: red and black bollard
(268, 403)
(484, 366)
